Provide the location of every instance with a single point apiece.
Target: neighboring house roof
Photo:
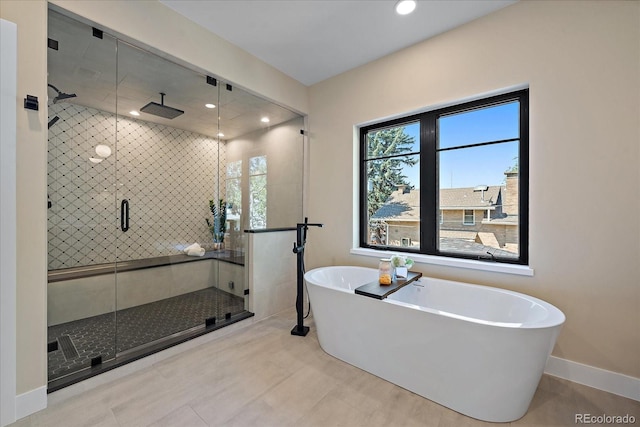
(404, 204)
(470, 197)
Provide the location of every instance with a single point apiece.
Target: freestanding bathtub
(478, 350)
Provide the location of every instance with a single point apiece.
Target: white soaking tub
(475, 349)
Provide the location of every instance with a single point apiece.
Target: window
(469, 217)
(258, 192)
(233, 191)
(420, 175)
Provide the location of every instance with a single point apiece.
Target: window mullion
(428, 184)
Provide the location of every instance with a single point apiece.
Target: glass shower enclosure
(154, 172)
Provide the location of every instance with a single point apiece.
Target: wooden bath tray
(378, 291)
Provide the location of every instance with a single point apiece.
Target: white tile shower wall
(168, 175)
(272, 273)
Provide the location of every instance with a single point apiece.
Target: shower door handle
(124, 215)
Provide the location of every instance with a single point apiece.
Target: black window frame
(429, 183)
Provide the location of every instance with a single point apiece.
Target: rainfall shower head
(161, 109)
(61, 95)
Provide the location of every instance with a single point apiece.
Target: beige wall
(31, 176)
(155, 26)
(581, 61)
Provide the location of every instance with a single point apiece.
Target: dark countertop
(233, 257)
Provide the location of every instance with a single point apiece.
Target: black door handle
(124, 215)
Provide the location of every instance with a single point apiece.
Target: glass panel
(147, 160)
(81, 192)
(494, 123)
(233, 190)
(169, 175)
(393, 201)
(473, 181)
(266, 141)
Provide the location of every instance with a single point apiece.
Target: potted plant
(219, 226)
(401, 265)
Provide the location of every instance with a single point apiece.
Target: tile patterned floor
(261, 375)
(136, 326)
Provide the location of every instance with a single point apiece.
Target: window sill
(520, 270)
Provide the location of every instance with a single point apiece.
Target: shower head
(161, 110)
(61, 95)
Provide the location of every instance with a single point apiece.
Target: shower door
(169, 158)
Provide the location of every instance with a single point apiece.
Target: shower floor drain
(68, 349)
(108, 334)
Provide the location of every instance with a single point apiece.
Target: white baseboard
(612, 382)
(31, 402)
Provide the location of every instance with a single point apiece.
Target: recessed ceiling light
(209, 105)
(405, 7)
(94, 160)
(220, 134)
(265, 120)
(134, 113)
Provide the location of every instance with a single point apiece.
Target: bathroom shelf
(378, 291)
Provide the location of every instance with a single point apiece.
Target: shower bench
(81, 292)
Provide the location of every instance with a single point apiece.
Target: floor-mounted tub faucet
(298, 249)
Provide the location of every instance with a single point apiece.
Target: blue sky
(479, 165)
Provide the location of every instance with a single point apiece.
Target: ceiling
(312, 40)
(89, 67)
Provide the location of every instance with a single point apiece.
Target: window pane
(394, 140)
(234, 198)
(479, 179)
(258, 192)
(234, 169)
(469, 218)
(495, 123)
(258, 202)
(393, 201)
(258, 165)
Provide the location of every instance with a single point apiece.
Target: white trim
(612, 382)
(495, 267)
(8, 102)
(31, 402)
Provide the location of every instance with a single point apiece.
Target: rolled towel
(192, 247)
(196, 252)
